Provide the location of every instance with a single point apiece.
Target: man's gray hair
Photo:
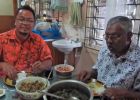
(125, 22)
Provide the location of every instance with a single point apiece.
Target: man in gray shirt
(118, 64)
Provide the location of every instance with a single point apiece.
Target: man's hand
(83, 74)
(37, 67)
(9, 70)
(116, 93)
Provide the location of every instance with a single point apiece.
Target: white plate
(97, 87)
(3, 92)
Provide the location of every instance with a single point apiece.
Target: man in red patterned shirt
(22, 50)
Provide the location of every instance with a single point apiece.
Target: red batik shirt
(23, 55)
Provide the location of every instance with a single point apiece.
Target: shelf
(96, 6)
(93, 38)
(95, 17)
(95, 28)
(135, 19)
(134, 4)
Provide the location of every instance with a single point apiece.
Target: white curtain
(115, 8)
(59, 5)
(120, 7)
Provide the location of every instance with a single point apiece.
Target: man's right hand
(9, 70)
(83, 74)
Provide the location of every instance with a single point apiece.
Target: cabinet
(58, 57)
(7, 20)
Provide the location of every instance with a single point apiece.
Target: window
(100, 11)
(95, 22)
(41, 7)
(132, 11)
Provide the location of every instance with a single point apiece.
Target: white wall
(6, 8)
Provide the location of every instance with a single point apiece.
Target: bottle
(21, 76)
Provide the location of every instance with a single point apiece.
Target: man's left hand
(116, 93)
(37, 67)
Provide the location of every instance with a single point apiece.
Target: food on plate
(97, 87)
(31, 86)
(64, 69)
(1, 91)
(9, 82)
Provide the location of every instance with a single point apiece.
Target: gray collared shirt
(123, 72)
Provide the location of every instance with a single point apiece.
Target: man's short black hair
(26, 7)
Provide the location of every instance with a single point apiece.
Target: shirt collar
(123, 57)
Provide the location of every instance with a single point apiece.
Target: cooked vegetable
(31, 86)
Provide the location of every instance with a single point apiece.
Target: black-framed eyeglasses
(25, 21)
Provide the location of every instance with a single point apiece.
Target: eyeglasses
(112, 36)
(25, 21)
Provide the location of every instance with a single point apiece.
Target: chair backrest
(88, 57)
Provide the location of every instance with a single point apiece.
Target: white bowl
(64, 70)
(32, 95)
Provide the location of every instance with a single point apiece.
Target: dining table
(11, 94)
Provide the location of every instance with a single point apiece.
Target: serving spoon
(51, 95)
(59, 97)
(73, 98)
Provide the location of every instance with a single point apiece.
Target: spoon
(73, 98)
(59, 97)
(52, 95)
